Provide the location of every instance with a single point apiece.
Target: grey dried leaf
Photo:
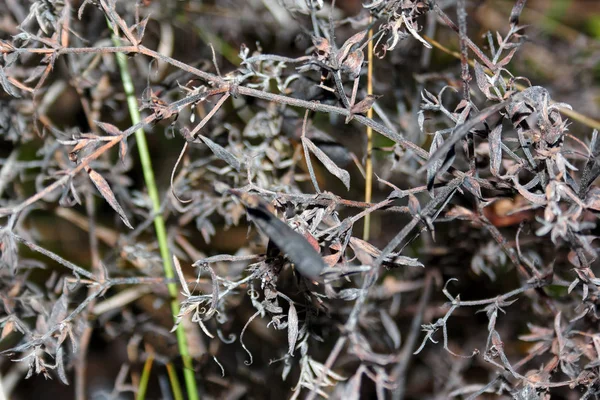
(341, 174)
(60, 366)
(6, 85)
(472, 186)
(106, 192)
(292, 328)
(221, 153)
(306, 260)
(184, 285)
(109, 128)
(413, 204)
(433, 168)
(365, 104)
(114, 131)
(408, 261)
(538, 199)
(495, 142)
(59, 311)
(482, 80)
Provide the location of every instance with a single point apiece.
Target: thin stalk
(143, 388)
(177, 395)
(159, 223)
(369, 161)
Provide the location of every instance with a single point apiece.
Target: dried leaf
(482, 80)
(306, 260)
(538, 199)
(109, 128)
(321, 44)
(184, 286)
(353, 64)
(347, 46)
(221, 153)
(106, 192)
(413, 204)
(292, 329)
(6, 85)
(365, 104)
(432, 169)
(60, 366)
(341, 174)
(495, 142)
(408, 261)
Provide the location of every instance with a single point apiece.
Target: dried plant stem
(369, 161)
(159, 223)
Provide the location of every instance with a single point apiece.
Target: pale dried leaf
(106, 192)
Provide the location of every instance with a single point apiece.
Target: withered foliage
(479, 277)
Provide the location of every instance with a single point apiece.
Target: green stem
(159, 223)
(143, 387)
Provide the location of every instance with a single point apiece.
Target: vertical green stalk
(159, 223)
(143, 388)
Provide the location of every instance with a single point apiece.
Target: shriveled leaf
(347, 46)
(538, 199)
(184, 285)
(114, 131)
(413, 204)
(306, 260)
(421, 120)
(432, 169)
(506, 59)
(341, 174)
(222, 153)
(59, 310)
(106, 192)
(353, 63)
(483, 82)
(495, 142)
(123, 149)
(6, 85)
(292, 329)
(408, 261)
(472, 186)
(109, 128)
(365, 104)
(60, 366)
(321, 44)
